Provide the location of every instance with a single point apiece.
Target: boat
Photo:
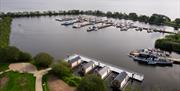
(64, 19)
(153, 61)
(76, 26)
(70, 22)
(93, 28)
(151, 57)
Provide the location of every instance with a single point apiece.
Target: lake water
(170, 8)
(110, 45)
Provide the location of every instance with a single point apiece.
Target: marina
(131, 74)
(114, 50)
(109, 44)
(97, 23)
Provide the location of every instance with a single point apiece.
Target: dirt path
(55, 84)
(39, 75)
(23, 67)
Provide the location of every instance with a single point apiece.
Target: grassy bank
(5, 29)
(169, 43)
(14, 81)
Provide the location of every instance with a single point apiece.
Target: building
(103, 72)
(87, 67)
(75, 61)
(120, 80)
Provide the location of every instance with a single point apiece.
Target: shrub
(92, 83)
(42, 60)
(61, 70)
(72, 81)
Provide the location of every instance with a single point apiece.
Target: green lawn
(3, 66)
(14, 81)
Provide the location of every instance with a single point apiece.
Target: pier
(131, 74)
(174, 60)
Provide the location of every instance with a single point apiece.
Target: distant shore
(154, 19)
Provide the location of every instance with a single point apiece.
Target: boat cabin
(75, 61)
(87, 67)
(104, 72)
(120, 80)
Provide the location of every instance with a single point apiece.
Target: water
(170, 8)
(110, 45)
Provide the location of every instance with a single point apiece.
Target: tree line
(169, 43)
(155, 19)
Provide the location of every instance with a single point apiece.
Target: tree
(11, 54)
(133, 16)
(158, 19)
(43, 60)
(25, 57)
(92, 83)
(109, 14)
(177, 21)
(143, 18)
(61, 69)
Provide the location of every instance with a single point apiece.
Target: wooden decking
(135, 75)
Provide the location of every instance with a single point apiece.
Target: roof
(74, 59)
(120, 77)
(103, 70)
(87, 65)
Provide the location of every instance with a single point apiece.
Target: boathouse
(104, 72)
(120, 80)
(87, 67)
(75, 61)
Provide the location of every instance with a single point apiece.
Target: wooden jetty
(131, 74)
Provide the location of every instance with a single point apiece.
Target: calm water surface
(170, 8)
(44, 34)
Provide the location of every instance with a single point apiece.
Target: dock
(104, 26)
(131, 74)
(174, 60)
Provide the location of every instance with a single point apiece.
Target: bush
(92, 83)
(72, 81)
(24, 56)
(42, 60)
(12, 54)
(61, 70)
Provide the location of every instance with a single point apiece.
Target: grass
(45, 83)
(18, 82)
(132, 87)
(3, 66)
(5, 29)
